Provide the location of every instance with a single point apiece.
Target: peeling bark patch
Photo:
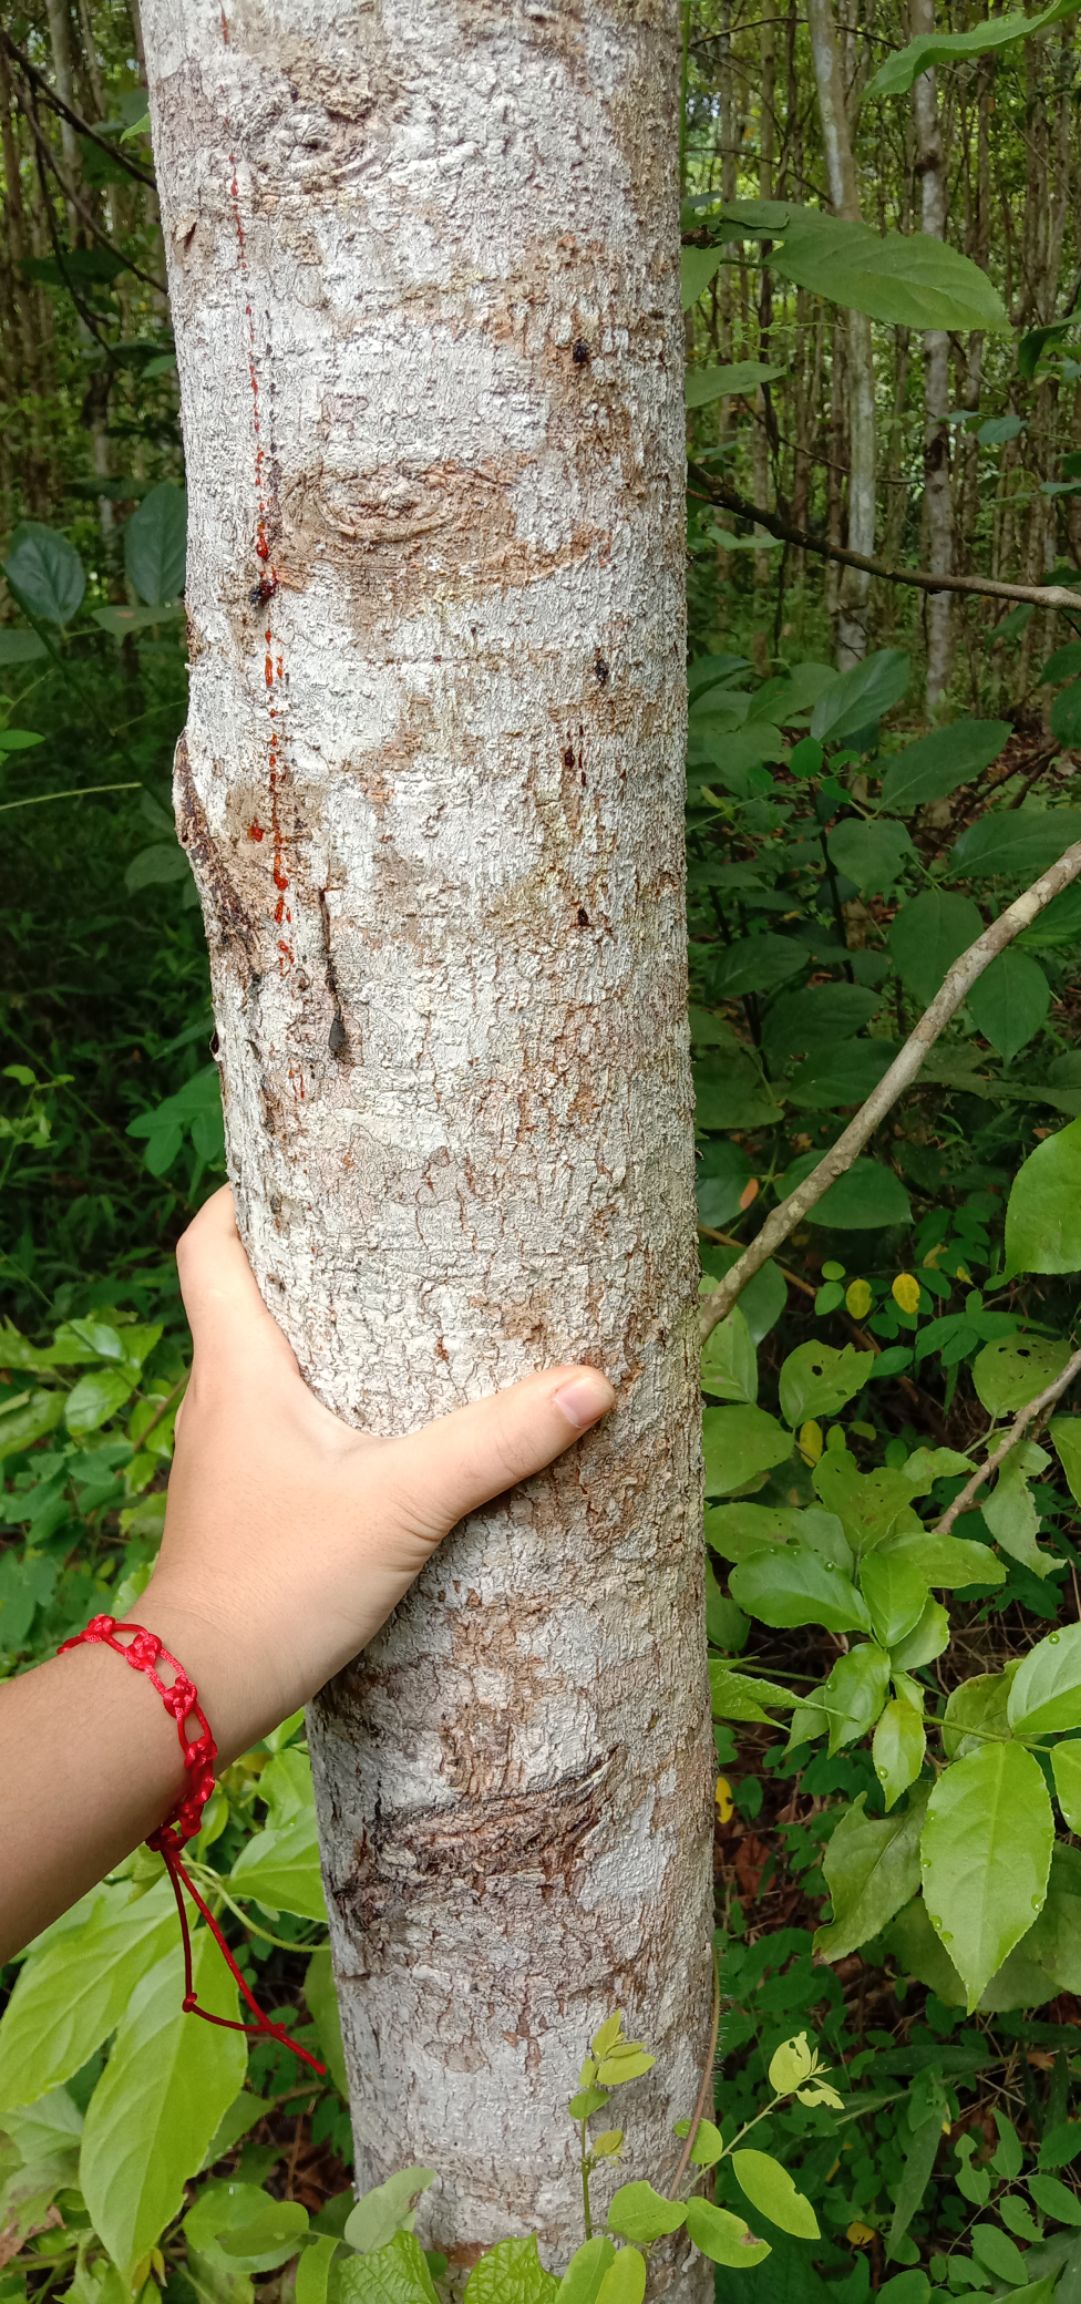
(421, 1857)
(193, 832)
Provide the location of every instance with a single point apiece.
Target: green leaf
(940, 763)
(157, 866)
(722, 1175)
(896, 1591)
(724, 2238)
(949, 1563)
(581, 2280)
(986, 1851)
(708, 2146)
(74, 1987)
(253, 2230)
(867, 1198)
(312, 2281)
(697, 268)
(1043, 1213)
(770, 2189)
(155, 544)
(975, 1710)
(19, 740)
(45, 573)
(818, 1379)
(757, 964)
(738, 377)
(729, 1360)
(1045, 1691)
(840, 1076)
(1065, 1435)
(928, 935)
(167, 2085)
(900, 1741)
(1011, 1513)
(1010, 1001)
(1066, 1770)
(739, 1531)
(28, 1417)
(1065, 715)
(859, 698)
(792, 1586)
(872, 855)
(121, 621)
(281, 1868)
(624, 2282)
(396, 2274)
(628, 2061)
(731, 1092)
(97, 1396)
(739, 1696)
(896, 76)
(909, 280)
(379, 2214)
(925, 1642)
(871, 1867)
(1016, 843)
(854, 1694)
(822, 1016)
(1055, 2199)
(739, 1445)
(637, 2212)
(1009, 1372)
(18, 646)
(322, 2001)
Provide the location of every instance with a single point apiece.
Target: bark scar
(337, 1037)
(196, 838)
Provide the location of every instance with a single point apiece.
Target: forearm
(91, 1764)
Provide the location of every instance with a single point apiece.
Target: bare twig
(1025, 1421)
(986, 587)
(704, 2086)
(953, 990)
(37, 80)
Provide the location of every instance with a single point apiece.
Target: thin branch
(953, 990)
(37, 80)
(985, 587)
(81, 210)
(1027, 1420)
(705, 2084)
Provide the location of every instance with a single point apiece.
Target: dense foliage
(893, 1619)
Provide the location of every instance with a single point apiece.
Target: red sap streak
(256, 832)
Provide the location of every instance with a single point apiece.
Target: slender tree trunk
(854, 587)
(937, 489)
(423, 264)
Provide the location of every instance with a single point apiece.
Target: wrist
(239, 1710)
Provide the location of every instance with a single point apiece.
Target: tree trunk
(937, 489)
(854, 587)
(423, 264)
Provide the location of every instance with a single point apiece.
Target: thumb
(461, 1461)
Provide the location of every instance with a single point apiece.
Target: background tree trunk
(937, 489)
(859, 371)
(423, 265)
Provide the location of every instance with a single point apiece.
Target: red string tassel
(145, 1652)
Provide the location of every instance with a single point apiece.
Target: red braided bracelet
(145, 1652)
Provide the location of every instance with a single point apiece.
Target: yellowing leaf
(860, 2235)
(810, 1441)
(722, 1794)
(790, 2064)
(858, 1299)
(905, 1292)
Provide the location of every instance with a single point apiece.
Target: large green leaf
(986, 1853)
(871, 854)
(872, 1867)
(770, 2189)
(624, 2279)
(731, 1092)
(45, 573)
(379, 2214)
(168, 2084)
(975, 1711)
(1065, 715)
(697, 268)
(581, 2280)
(855, 1693)
(1066, 1770)
(896, 1591)
(900, 1741)
(896, 76)
(155, 544)
(73, 1989)
(1011, 1370)
(1045, 1691)
(639, 2213)
(757, 964)
(20, 646)
(818, 1379)
(724, 2238)
(1010, 1001)
(857, 700)
(841, 1075)
(938, 764)
(908, 280)
(740, 1444)
(739, 1696)
(946, 1563)
(1065, 1436)
(928, 935)
(739, 376)
(1011, 1512)
(792, 1585)
(1015, 843)
(396, 2274)
(729, 1360)
(1043, 1213)
(253, 2231)
(281, 1867)
(865, 1199)
(820, 1017)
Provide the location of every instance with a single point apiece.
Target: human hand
(290, 1537)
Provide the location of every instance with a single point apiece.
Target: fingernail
(584, 1399)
